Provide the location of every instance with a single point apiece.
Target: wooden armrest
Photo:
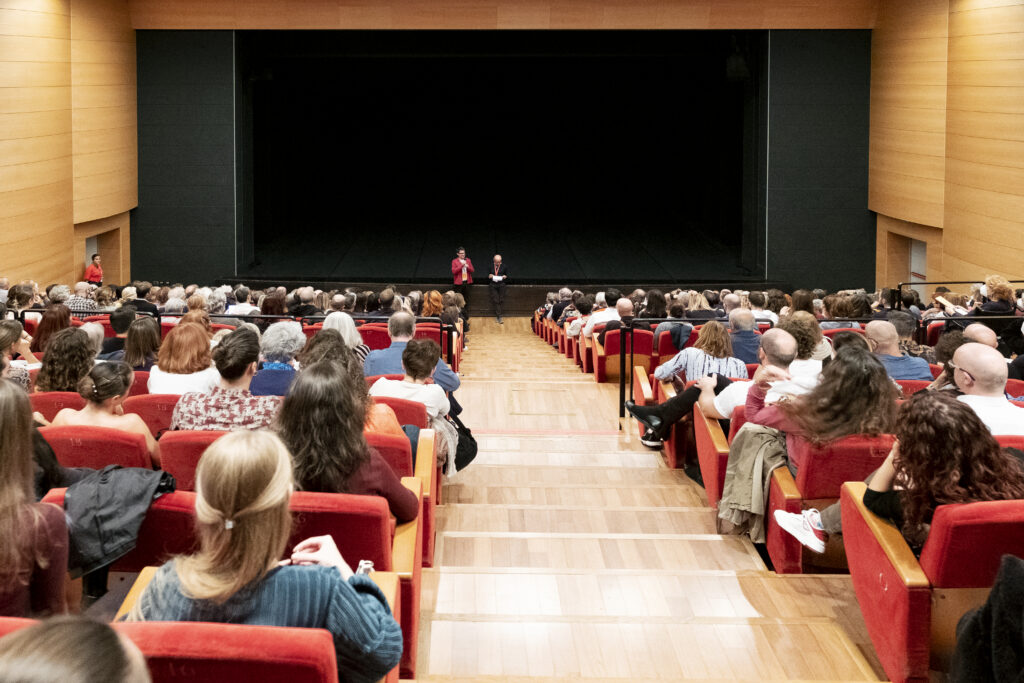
(718, 440)
(668, 390)
(643, 385)
(426, 460)
(388, 584)
(889, 539)
(784, 480)
(405, 550)
(145, 576)
(598, 347)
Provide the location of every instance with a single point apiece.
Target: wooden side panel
(35, 140)
(984, 186)
(908, 102)
(104, 127)
(113, 236)
(502, 14)
(891, 258)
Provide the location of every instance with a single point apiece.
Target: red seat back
(155, 410)
(407, 412)
(372, 379)
(375, 337)
(912, 386)
(213, 653)
(180, 452)
(140, 385)
(666, 349)
(396, 450)
(1015, 387)
(738, 419)
(966, 542)
(166, 326)
(751, 369)
(1011, 441)
(97, 447)
(934, 332)
(852, 458)
(430, 331)
(832, 333)
(361, 525)
(643, 343)
(311, 330)
(936, 370)
(12, 624)
(49, 403)
(217, 327)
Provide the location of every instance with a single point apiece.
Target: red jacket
(93, 273)
(457, 271)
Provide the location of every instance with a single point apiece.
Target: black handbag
(465, 450)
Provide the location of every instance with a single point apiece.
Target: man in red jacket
(462, 272)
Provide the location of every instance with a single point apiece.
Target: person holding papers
(498, 278)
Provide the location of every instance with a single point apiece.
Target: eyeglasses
(957, 367)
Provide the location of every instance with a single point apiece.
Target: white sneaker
(806, 527)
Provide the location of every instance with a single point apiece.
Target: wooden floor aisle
(569, 551)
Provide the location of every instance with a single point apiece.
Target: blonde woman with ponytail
(244, 484)
(104, 389)
(33, 536)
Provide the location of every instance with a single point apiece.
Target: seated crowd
(830, 366)
(294, 396)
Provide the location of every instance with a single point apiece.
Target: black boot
(646, 415)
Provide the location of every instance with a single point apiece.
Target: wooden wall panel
(908, 102)
(984, 183)
(35, 140)
(105, 131)
(892, 257)
(500, 14)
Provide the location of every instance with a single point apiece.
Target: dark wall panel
(184, 226)
(819, 230)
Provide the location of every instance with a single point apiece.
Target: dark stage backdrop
(580, 156)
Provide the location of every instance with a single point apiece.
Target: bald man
(746, 342)
(983, 334)
(497, 278)
(884, 341)
(980, 372)
(626, 312)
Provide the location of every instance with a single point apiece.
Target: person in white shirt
(184, 363)
(419, 363)
(757, 303)
(244, 304)
(611, 297)
(778, 348)
(980, 373)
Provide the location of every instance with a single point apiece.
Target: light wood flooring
(569, 551)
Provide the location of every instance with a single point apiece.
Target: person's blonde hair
(698, 302)
(714, 340)
(243, 486)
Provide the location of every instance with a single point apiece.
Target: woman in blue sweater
(244, 483)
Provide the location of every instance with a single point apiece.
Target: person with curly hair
(321, 422)
(69, 357)
(943, 454)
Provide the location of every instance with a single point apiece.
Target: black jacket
(990, 639)
(104, 512)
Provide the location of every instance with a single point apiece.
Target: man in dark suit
(498, 279)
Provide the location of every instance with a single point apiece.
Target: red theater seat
(97, 447)
(155, 410)
(1015, 387)
(407, 412)
(911, 606)
(180, 452)
(912, 386)
(818, 482)
(372, 379)
(832, 333)
(49, 403)
(712, 454)
(213, 653)
(606, 357)
(396, 450)
(936, 370)
(140, 384)
(375, 337)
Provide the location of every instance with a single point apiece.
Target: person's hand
(22, 346)
(490, 276)
(766, 374)
(708, 382)
(321, 550)
(894, 454)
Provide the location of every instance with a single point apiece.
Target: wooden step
(575, 519)
(570, 494)
(517, 475)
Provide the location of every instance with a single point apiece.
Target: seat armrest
(668, 390)
(783, 479)
(135, 592)
(406, 549)
(598, 348)
(388, 584)
(426, 460)
(888, 537)
(642, 387)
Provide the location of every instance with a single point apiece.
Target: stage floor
(533, 255)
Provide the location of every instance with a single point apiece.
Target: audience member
(138, 298)
(881, 335)
(81, 301)
(809, 340)
(711, 354)
(70, 650)
(34, 552)
(321, 422)
(564, 301)
(603, 315)
(699, 308)
(584, 307)
(757, 307)
(401, 328)
(980, 373)
(55, 317)
(624, 308)
(96, 333)
(243, 487)
(906, 327)
(68, 359)
(14, 341)
(343, 323)
(120, 320)
(229, 405)
(432, 304)
(305, 307)
(141, 344)
(184, 363)
(746, 342)
(280, 344)
(104, 389)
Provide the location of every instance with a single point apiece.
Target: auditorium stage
(544, 256)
